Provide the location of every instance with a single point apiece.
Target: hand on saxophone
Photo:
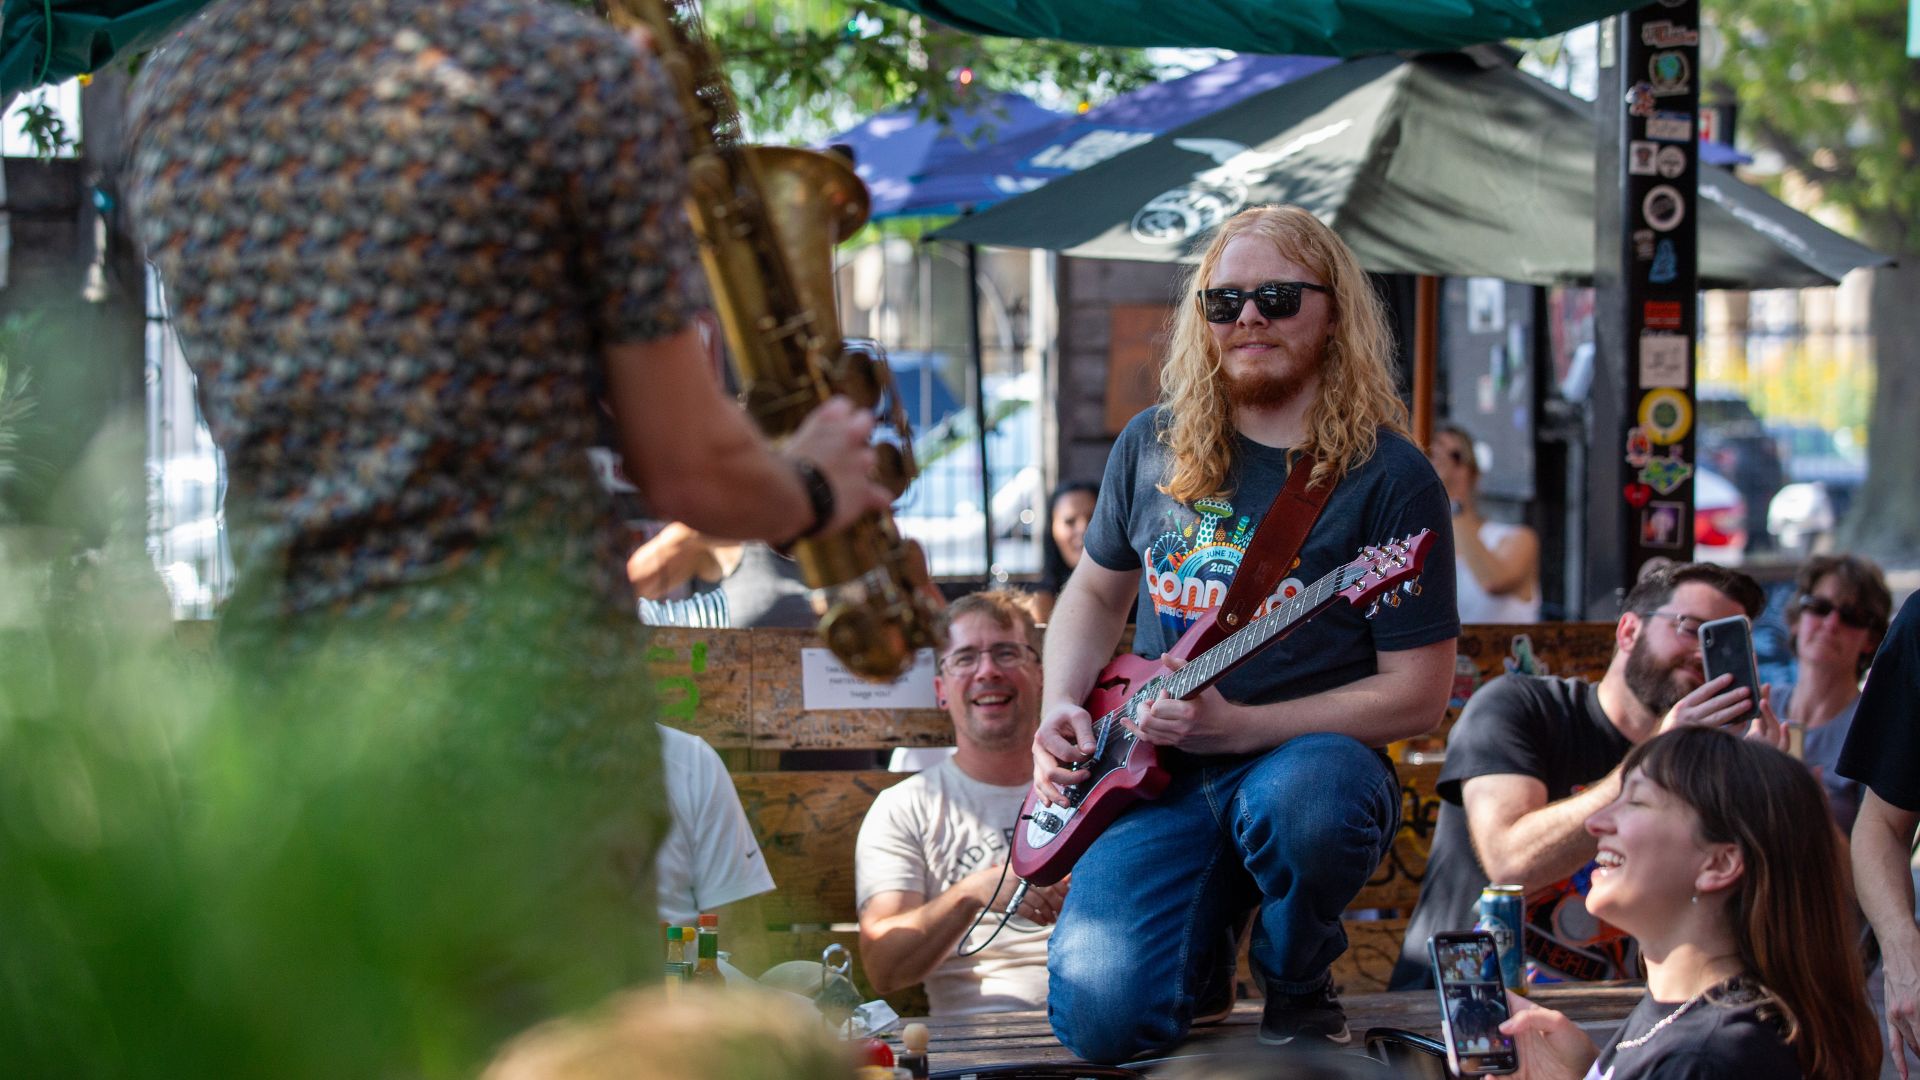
(835, 438)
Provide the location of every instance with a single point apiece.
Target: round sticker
(1666, 415)
(1671, 161)
(1668, 71)
(1663, 208)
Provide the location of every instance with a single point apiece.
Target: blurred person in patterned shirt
(409, 247)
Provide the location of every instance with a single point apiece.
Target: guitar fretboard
(1202, 670)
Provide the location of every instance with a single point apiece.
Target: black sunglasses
(1273, 299)
(1820, 607)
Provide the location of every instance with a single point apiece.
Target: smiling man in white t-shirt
(932, 851)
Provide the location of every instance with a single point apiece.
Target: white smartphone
(1726, 646)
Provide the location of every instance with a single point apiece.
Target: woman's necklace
(1696, 999)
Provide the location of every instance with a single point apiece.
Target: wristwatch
(819, 497)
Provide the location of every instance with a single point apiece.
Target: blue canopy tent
(1027, 161)
(895, 151)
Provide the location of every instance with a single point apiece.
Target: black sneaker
(1312, 1017)
(1213, 1001)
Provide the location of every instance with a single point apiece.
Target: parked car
(1719, 519)
(942, 508)
(1813, 455)
(1735, 444)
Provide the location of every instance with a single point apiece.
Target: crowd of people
(411, 267)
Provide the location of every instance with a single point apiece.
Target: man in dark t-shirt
(1883, 752)
(1278, 799)
(1532, 757)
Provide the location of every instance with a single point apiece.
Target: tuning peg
(1412, 588)
(1391, 599)
(1373, 609)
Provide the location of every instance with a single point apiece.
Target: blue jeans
(1297, 830)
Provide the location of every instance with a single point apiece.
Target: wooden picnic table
(1007, 1038)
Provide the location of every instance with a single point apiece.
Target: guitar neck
(1204, 670)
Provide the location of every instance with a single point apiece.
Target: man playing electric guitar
(1278, 799)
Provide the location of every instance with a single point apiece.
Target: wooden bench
(741, 691)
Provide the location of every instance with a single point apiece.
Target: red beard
(1264, 388)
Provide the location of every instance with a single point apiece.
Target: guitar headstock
(1384, 572)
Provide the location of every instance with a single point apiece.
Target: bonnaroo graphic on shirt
(1189, 565)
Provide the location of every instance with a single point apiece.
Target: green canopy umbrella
(1306, 27)
(86, 36)
(1449, 164)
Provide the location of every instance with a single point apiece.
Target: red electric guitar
(1126, 770)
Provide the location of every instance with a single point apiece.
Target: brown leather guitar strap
(1271, 552)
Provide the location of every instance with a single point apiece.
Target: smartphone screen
(1726, 645)
(1473, 1003)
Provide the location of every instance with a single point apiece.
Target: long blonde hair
(1357, 393)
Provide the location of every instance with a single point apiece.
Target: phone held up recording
(1473, 1003)
(1726, 647)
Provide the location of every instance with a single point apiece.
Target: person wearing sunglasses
(1497, 563)
(1279, 358)
(1837, 617)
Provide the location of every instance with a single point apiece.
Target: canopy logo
(1213, 196)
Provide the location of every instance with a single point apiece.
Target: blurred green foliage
(20, 465)
(339, 851)
(804, 70)
(1830, 88)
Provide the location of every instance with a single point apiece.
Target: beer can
(1501, 911)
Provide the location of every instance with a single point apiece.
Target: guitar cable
(1006, 915)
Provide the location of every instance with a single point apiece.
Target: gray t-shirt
(1187, 555)
(922, 836)
(1820, 751)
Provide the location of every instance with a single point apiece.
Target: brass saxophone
(768, 219)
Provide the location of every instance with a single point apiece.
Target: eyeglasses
(1820, 607)
(1684, 625)
(1274, 299)
(1007, 654)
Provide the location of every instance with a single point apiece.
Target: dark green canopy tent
(1301, 27)
(1449, 164)
(87, 34)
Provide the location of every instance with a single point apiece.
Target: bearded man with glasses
(930, 864)
(1534, 756)
(1280, 801)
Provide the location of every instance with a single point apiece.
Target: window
(65, 100)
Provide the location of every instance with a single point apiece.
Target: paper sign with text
(826, 684)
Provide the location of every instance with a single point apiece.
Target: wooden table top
(1005, 1038)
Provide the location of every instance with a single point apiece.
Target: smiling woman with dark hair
(1706, 859)
(1068, 512)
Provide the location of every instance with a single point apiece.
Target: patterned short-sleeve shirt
(395, 236)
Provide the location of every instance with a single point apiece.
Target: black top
(1883, 749)
(1551, 729)
(1186, 555)
(1732, 1035)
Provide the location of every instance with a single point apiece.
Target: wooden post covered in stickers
(1640, 448)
